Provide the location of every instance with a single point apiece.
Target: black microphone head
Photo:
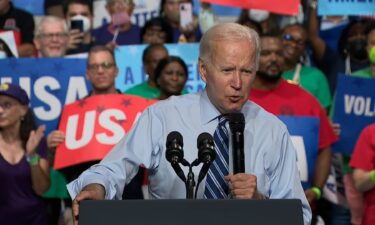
(174, 144)
(206, 148)
(236, 122)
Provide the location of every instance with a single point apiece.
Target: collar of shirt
(208, 111)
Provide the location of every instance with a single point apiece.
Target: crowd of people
(262, 64)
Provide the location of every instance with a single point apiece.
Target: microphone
(206, 153)
(237, 126)
(174, 152)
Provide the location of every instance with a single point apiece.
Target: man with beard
(294, 39)
(279, 97)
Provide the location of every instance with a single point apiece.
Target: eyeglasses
(104, 66)
(49, 36)
(289, 37)
(6, 105)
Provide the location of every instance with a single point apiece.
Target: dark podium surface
(192, 212)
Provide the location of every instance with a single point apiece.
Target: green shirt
(313, 81)
(144, 90)
(58, 186)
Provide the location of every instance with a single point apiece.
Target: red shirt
(363, 157)
(291, 100)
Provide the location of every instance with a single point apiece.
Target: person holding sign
(227, 63)
(24, 166)
(362, 161)
(279, 97)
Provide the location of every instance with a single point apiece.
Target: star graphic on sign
(12, 63)
(82, 102)
(100, 109)
(58, 68)
(358, 82)
(126, 102)
(34, 74)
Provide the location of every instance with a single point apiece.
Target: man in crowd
(21, 23)
(279, 97)
(294, 39)
(227, 63)
(80, 12)
(150, 58)
(51, 37)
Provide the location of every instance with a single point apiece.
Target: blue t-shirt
(103, 35)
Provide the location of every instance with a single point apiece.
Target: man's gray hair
(230, 32)
(49, 19)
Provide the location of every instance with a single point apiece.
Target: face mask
(85, 20)
(357, 49)
(3, 55)
(258, 15)
(120, 18)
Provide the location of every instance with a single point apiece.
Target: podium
(191, 212)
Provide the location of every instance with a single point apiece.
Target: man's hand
(75, 38)
(34, 139)
(55, 138)
(311, 196)
(243, 186)
(90, 192)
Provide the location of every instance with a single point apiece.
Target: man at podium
(228, 61)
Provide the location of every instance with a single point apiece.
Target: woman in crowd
(170, 76)
(23, 165)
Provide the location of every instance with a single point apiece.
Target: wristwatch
(33, 159)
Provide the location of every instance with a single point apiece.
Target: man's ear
(37, 44)
(202, 70)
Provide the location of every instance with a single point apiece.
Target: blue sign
(346, 7)
(304, 132)
(35, 7)
(50, 84)
(354, 109)
(131, 72)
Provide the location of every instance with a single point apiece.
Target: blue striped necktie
(216, 187)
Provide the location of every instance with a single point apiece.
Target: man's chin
(269, 77)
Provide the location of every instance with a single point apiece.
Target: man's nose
(236, 80)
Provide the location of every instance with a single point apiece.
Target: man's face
(229, 74)
(271, 58)
(294, 39)
(154, 35)
(3, 4)
(53, 40)
(152, 60)
(118, 6)
(172, 11)
(101, 71)
(75, 9)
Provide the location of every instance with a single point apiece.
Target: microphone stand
(190, 182)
